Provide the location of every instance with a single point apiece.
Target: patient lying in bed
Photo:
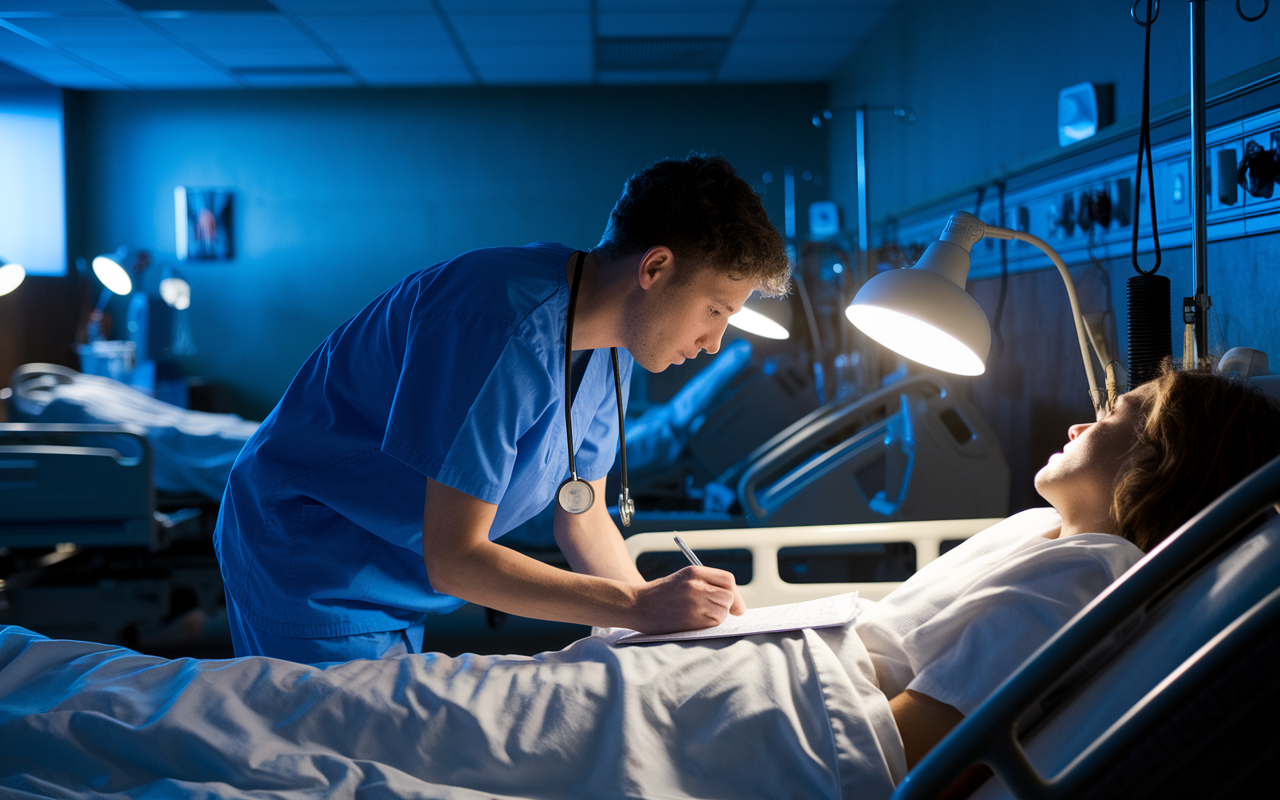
(830, 713)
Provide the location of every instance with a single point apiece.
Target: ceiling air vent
(674, 54)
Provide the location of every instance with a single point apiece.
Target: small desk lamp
(114, 279)
(769, 317)
(111, 273)
(925, 314)
(11, 276)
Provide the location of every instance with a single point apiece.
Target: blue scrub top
(456, 374)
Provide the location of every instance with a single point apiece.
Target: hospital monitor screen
(33, 209)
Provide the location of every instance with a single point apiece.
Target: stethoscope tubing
(625, 508)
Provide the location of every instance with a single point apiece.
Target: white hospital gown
(965, 622)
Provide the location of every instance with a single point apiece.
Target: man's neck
(597, 319)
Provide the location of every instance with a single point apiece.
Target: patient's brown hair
(1203, 433)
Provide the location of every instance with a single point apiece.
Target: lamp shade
(11, 277)
(112, 274)
(174, 289)
(923, 312)
(769, 317)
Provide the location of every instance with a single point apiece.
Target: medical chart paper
(826, 612)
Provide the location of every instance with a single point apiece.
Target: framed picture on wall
(203, 218)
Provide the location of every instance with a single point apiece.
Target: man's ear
(656, 263)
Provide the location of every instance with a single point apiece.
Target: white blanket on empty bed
(778, 715)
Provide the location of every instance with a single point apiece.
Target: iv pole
(1199, 150)
(902, 114)
(1195, 309)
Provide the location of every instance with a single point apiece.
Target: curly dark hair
(1203, 433)
(706, 215)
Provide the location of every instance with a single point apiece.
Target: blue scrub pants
(251, 641)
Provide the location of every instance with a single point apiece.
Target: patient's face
(1080, 480)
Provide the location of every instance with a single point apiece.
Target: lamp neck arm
(1097, 397)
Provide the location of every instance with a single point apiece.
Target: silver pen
(687, 552)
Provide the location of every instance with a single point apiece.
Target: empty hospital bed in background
(107, 500)
(192, 451)
(914, 450)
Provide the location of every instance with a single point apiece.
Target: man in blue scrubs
(433, 422)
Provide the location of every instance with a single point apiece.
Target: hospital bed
(1163, 680)
(1165, 685)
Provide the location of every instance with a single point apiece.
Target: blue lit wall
(340, 193)
(983, 78)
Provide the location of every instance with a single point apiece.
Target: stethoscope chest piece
(626, 508)
(575, 495)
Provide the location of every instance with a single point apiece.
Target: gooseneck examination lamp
(11, 276)
(925, 314)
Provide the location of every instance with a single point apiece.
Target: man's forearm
(497, 577)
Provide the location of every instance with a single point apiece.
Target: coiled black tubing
(1150, 336)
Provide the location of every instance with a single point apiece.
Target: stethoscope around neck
(575, 495)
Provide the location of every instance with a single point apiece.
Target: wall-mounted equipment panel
(1086, 214)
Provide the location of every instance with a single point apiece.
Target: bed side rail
(767, 586)
(88, 485)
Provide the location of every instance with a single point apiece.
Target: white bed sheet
(776, 715)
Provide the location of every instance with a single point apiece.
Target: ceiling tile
(416, 58)
(380, 30)
(516, 6)
(307, 55)
(90, 31)
(655, 77)
(823, 54)
(276, 81)
(211, 30)
(112, 57)
(35, 57)
(792, 24)
(8, 7)
(765, 73)
(536, 74)
(667, 24)
(530, 55)
(532, 63)
(858, 6)
(481, 29)
(303, 7)
(174, 77)
(666, 6)
(73, 76)
(417, 76)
